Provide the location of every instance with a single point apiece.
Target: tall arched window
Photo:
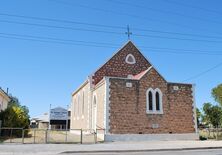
(73, 106)
(157, 101)
(83, 102)
(154, 101)
(150, 100)
(78, 108)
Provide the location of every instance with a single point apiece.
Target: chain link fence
(40, 136)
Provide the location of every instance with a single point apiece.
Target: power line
(177, 33)
(81, 29)
(181, 51)
(61, 27)
(112, 32)
(192, 6)
(101, 44)
(127, 14)
(60, 21)
(164, 11)
(176, 38)
(56, 39)
(203, 73)
(56, 42)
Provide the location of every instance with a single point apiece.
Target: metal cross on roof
(128, 32)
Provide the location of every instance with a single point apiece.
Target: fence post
(46, 135)
(0, 127)
(66, 135)
(81, 137)
(104, 130)
(95, 136)
(11, 136)
(34, 135)
(23, 135)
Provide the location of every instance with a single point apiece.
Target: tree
(15, 116)
(212, 114)
(199, 115)
(217, 94)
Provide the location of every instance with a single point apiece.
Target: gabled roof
(117, 66)
(115, 53)
(139, 72)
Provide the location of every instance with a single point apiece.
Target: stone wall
(128, 107)
(117, 67)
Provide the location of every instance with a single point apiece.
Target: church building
(131, 100)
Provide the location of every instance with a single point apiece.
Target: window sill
(154, 112)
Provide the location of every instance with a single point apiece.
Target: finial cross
(128, 32)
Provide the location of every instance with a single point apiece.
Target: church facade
(130, 99)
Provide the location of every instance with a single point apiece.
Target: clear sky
(42, 62)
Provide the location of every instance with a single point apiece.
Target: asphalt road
(185, 152)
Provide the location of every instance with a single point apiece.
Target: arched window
(83, 102)
(78, 108)
(130, 59)
(154, 101)
(73, 106)
(150, 100)
(157, 101)
(94, 112)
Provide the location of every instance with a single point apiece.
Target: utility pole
(49, 116)
(67, 117)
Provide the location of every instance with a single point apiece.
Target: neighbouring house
(4, 99)
(56, 120)
(131, 100)
(40, 122)
(59, 118)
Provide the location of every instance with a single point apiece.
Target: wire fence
(41, 136)
(211, 133)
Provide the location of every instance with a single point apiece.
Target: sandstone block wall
(128, 107)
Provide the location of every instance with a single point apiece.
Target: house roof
(137, 76)
(41, 118)
(4, 94)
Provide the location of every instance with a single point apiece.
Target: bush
(202, 138)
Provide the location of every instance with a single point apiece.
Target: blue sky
(40, 67)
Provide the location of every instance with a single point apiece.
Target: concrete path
(49, 149)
